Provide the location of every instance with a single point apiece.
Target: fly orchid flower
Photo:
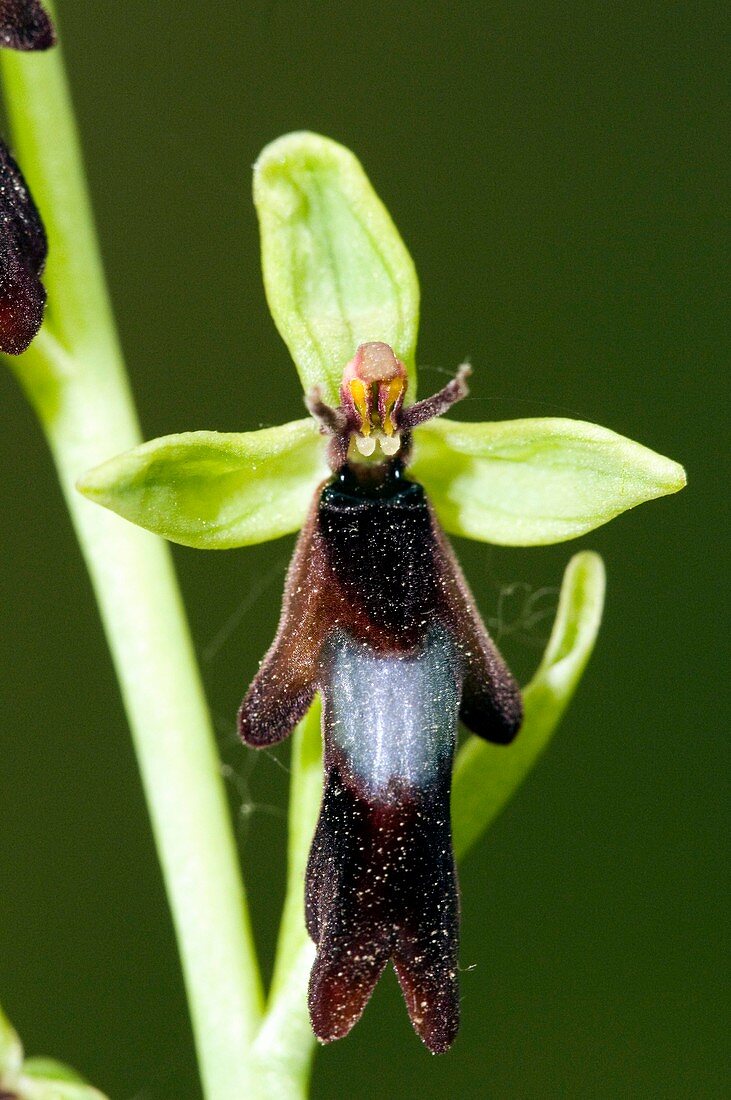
(377, 617)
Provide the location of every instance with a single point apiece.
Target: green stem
(74, 376)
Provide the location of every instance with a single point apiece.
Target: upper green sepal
(336, 271)
(215, 490)
(535, 482)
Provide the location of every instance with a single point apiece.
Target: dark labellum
(378, 618)
(23, 250)
(24, 25)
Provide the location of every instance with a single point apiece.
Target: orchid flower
(377, 617)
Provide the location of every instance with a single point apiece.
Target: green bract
(11, 1050)
(486, 775)
(37, 1078)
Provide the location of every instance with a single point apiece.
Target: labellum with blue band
(378, 618)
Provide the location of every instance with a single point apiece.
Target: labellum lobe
(378, 618)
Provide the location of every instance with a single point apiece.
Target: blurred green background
(555, 171)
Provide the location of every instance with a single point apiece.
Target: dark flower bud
(23, 250)
(25, 25)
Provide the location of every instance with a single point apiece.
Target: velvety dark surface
(381, 885)
(23, 250)
(382, 550)
(556, 171)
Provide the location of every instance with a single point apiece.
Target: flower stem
(74, 376)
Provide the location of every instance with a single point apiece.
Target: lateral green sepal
(215, 490)
(535, 482)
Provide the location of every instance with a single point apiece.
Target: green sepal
(336, 271)
(37, 1078)
(51, 1070)
(215, 490)
(11, 1050)
(485, 775)
(47, 1079)
(535, 482)
(50, 1088)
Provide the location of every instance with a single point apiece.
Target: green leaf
(11, 1050)
(54, 1088)
(213, 490)
(485, 775)
(47, 1079)
(51, 1070)
(336, 271)
(534, 482)
(37, 1078)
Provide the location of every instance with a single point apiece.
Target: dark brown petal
(438, 403)
(285, 684)
(492, 705)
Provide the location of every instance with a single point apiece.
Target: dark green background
(555, 171)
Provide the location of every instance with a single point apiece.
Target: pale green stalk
(74, 376)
